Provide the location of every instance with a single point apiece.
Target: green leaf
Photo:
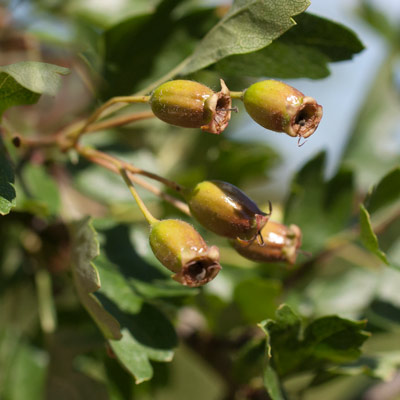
(271, 383)
(257, 298)
(136, 330)
(24, 82)
(116, 288)
(85, 248)
(385, 193)
(38, 191)
(132, 356)
(321, 208)
(26, 375)
(368, 236)
(291, 347)
(7, 191)
(331, 39)
(146, 280)
(303, 51)
(278, 60)
(247, 27)
(147, 335)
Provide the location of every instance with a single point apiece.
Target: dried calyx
(280, 243)
(180, 248)
(192, 105)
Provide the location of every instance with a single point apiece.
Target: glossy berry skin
(224, 209)
(280, 244)
(192, 105)
(180, 248)
(282, 108)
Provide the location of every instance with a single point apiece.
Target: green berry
(180, 248)
(226, 210)
(282, 108)
(192, 105)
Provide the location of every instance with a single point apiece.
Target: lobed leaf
(85, 247)
(137, 331)
(303, 51)
(278, 60)
(146, 336)
(24, 82)
(291, 347)
(247, 27)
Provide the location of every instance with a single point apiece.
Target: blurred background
(360, 132)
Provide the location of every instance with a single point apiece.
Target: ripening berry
(226, 210)
(192, 105)
(282, 108)
(280, 244)
(180, 248)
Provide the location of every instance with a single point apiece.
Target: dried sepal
(218, 108)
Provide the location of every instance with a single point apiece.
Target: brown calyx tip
(198, 272)
(16, 141)
(307, 118)
(262, 219)
(219, 105)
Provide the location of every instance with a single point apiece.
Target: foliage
(86, 308)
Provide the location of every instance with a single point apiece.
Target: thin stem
(237, 95)
(147, 214)
(92, 154)
(97, 113)
(119, 121)
(180, 205)
(46, 141)
(120, 167)
(75, 130)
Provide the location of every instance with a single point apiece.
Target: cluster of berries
(272, 104)
(219, 206)
(225, 210)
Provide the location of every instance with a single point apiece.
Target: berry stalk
(143, 208)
